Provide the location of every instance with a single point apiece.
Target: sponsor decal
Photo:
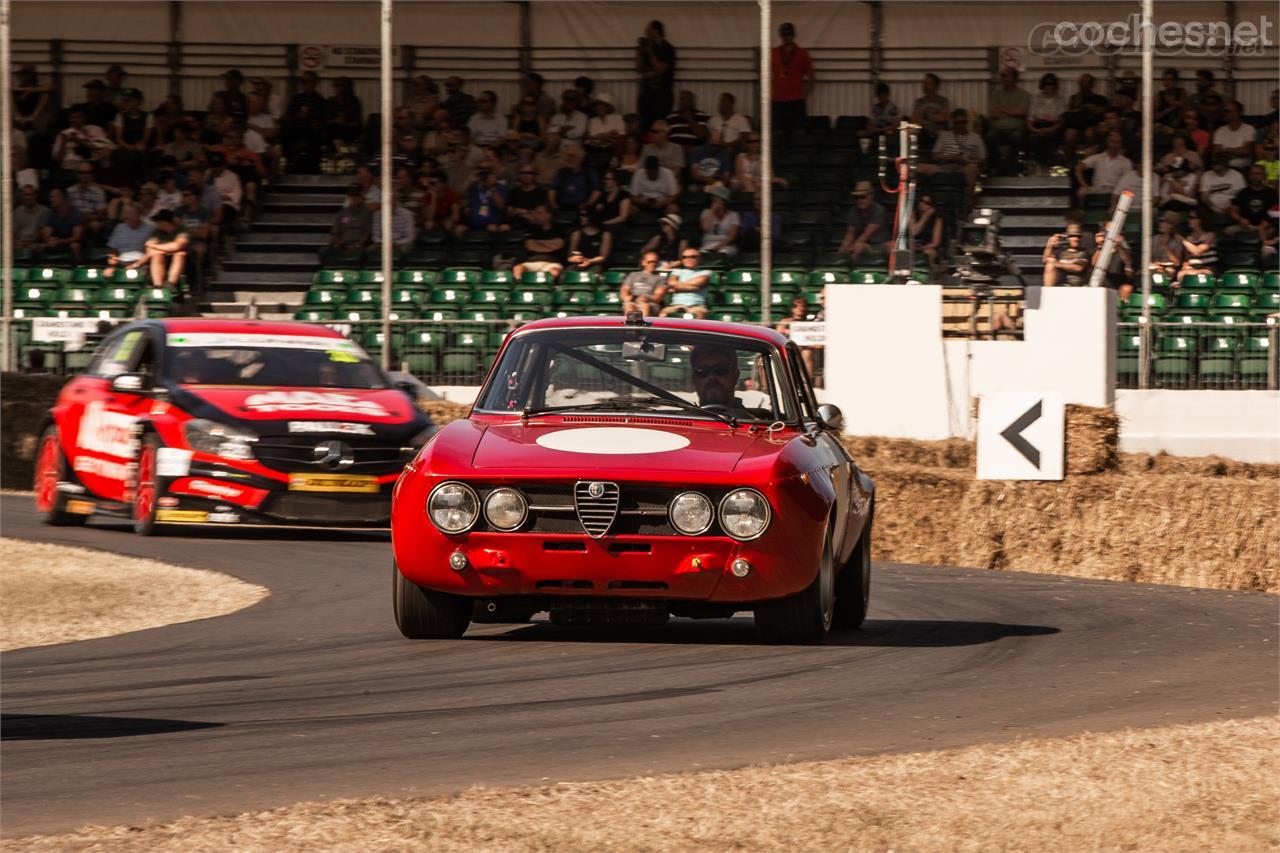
(182, 516)
(112, 433)
(217, 340)
(332, 483)
(224, 517)
(207, 488)
(173, 462)
(101, 468)
(344, 427)
(313, 401)
(70, 488)
(80, 507)
(167, 501)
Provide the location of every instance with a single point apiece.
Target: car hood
(385, 406)
(615, 447)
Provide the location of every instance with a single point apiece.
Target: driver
(192, 366)
(715, 377)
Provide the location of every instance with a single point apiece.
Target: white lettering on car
(215, 489)
(112, 433)
(313, 401)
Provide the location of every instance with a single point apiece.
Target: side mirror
(131, 383)
(830, 417)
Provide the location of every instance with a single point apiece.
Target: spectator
(570, 123)
(550, 159)
(1267, 156)
(1197, 137)
(195, 222)
(604, 132)
(98, 111)
(1171, 102)
(792, 70)
(543, 246)
(169, 196)
(666, 243)
(486, 126)
(210, 200)
(750, 229)
(1007, 121)
(440, 205)
(1071, 266)
(654, 187)
(65, 225)
(630, 159)
(1119, 270)
(228, 186)
(1044, 123)
(748, 167)
(926, 229)
(133, 133)
(244, 163)
(30, 218)
(1167, 253)
(670, 155)
(80, 142)
(90, 199)
(884, 113)
(1235, 138)
(527, 125)
(275, 102)
(115, 76)
(1084, 111)
(687, 125)
(531, 87)
(352, 225)
(461, 105)
(344, 114)
(931, 111)
(585, 87)
(402, 230)
(486, 204)
(728, 125)
(1190, 160)
(526, 195)
(1179, 186)
(1130, 182)
(656, 65)
(216, 119)
(301, 131)
(613, 205)
(424, 100)
(1219, 185)
(128, 240)
(32, 106)
(574, 185)
(1199, 248)
(1107, 168)
(720, 225)
(867, 230)
(167, 251)
(234, 100)
(644, 289)
(590, 245)
(23, 175)
(961, 151)
(801, 313)
(370, 190)
(1251, 208)
(1056, 243)
(186, 152)
(688, 286)
(1205, 94)
(435, 140)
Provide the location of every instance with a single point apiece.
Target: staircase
(1031, 209)
(275, 260)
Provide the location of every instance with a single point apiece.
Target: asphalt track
(313, 694)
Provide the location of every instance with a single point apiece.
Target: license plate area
(333, 483)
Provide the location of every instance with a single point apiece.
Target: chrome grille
(596, 513)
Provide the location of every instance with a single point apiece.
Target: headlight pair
(744, 513)
(454, 508)
(228, 442)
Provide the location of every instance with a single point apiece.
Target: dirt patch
(54, 594)
(1169, 790)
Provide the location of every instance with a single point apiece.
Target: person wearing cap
(687, 285)
(654, 187)
(958, 150)
(643, 289)
(666, 244)
(235, 101)
(1219, 185)
(97, 109)
(604, 130)
(486, 125)
(167, 250)
(792, 73)
(868, 225)
(720, 225)
(656, 65)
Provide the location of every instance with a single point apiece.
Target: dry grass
(53, 594)
(1214, 787)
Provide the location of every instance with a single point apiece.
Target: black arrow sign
(1013, 434)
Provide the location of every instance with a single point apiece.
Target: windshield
(267, 360)
(677, 373)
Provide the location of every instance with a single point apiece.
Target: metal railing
(1201, 356)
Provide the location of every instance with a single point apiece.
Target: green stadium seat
(738, 277)
(578, 278)
(542, 278)
(739, 299)
(728, 316)
(497, 279)
(334, 276)
(360, 295)
(1232, 301)
(75, 296)
(1180, 315)
(325, 295)
(1234, 319)
(371, 277)
(408, 298)
(481, 315)
(420, 277)
(49, 275)
(356, 314)
(454, 275)
(136, 278)
(1192, 299)
(68, 312)
(575, 296)
(449, 296)
(439, 313)
(491, 296)
(829, 275)
(18, 275)
(35, 295)
(789, 278)
(1174, 354)
(314, 315)
(607, 298)
(1254, 358)
(868, 276)
(524, 296)
(1269, 301)
(523, 315)
(117, 295)
(88, 275)
(1271, 280)
(1157, 301)
(110, 312)
(614, 277)
(1198, 281)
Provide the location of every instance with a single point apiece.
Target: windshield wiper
(617, 403)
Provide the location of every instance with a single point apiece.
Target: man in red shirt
(792, 80)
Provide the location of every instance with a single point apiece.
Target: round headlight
(744, 514)
(690, 513)
(505, 509)
(453, 507)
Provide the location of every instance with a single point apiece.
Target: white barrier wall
(1243, 425)
(892, 373)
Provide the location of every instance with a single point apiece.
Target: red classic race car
(628, 469)
(195, 421)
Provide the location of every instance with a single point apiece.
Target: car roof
(721, 327)
(191, 325)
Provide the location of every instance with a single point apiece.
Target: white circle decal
(612, 440)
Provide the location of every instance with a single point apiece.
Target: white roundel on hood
(612, 440)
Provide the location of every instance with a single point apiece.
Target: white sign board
(316, 57)
(1021, 436)
(69, 331)
(808, 334)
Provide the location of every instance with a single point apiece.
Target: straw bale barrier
(24, 398)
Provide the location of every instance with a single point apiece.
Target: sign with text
(69, 331)
(813, 334)
(316, 57)
(1021, 436)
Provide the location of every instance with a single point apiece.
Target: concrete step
(256, 262)
(284, 242)
(1034, 203)
(1027, 183)
(1045, 224)
(306, 183)
(309, 222)
(311, 204)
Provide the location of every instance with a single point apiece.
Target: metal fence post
(1273, 358)
(1145, 335)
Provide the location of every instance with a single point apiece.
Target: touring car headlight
(744, 513)
(453, 507)
(228, 442)
(505, 509)
(690, 513)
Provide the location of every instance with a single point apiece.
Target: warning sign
(316, 57)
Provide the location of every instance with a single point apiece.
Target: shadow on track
(76, 727)
(892, 633)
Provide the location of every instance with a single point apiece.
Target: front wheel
(805, 617)
(51, 469)
(423, 614)
(853, 584)
(145, 488)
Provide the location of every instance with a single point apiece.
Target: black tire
(51, 469)
(422, 614)
(803, 618)
(853, 585)
(147, 488)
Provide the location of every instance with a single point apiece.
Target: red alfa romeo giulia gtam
(628, 469)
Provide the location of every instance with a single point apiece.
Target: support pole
(6, 193)
(388, 198)
(1114, 227)
(1146, 339)
(766, 162)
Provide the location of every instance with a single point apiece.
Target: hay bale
(871, 451)
(1092, 436)
(24, 400)
(443, 411)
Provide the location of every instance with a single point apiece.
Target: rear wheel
(423, 614)
(145, 488)
(853, 584)
(51, 469)
(806, 616)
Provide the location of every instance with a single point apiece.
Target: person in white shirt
(486, 126)
(1235, 138)
(1131, 182)
(654, 187)
(1219, 185)
(401, 227)
(228, 186)
(670, 155)
(80, 142)
(1108, 168)
(958, 150)
(604, 130)
(727, 125)
(570, 123)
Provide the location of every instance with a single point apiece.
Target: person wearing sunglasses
(715, 377)
(688, 284)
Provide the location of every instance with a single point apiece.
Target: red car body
(817, 497)
(118, 439)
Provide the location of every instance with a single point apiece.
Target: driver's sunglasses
(719, 370)
(689, 257)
